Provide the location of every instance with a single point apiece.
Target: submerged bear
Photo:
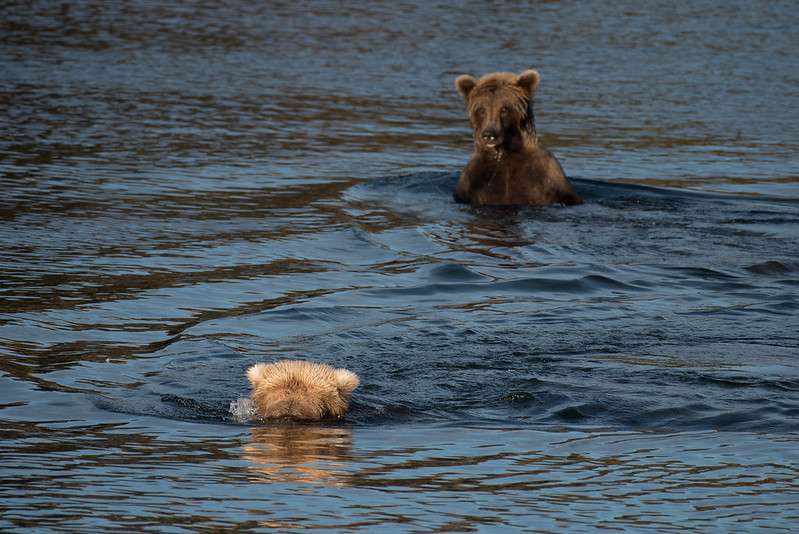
(509, 165)
(300, 390)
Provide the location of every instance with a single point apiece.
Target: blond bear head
(301, 390)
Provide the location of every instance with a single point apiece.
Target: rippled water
(190, 188)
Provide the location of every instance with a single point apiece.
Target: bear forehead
(495, 97)
(498, 77)
(498, 89)
(492, 82)
(509, 93)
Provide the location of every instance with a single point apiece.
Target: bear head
(300, 390)
(500, 108)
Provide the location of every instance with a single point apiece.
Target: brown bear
(509, 165)
(300, 390)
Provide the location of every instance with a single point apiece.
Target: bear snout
(491, 138)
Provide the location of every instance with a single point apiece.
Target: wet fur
(300, 390)
(508, 165)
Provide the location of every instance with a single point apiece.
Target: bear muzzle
(491, 138)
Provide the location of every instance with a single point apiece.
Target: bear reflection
(300, 453)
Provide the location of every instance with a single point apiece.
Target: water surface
(191, 188)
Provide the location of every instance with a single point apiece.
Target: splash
(243, 410)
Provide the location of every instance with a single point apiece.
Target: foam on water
(243, 411)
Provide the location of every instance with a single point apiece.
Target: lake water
(192, 187)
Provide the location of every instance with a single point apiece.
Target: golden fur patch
(300, 390)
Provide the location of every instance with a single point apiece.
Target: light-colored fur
(301, 390)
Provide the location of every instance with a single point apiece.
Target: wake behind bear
(508, 165)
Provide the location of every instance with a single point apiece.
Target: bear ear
(347, 381)
(465, 84)
(256, 373)
(528, 81)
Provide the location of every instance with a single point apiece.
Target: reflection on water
(189, 188)
(142, 474)
(567, 480)
(300, 453)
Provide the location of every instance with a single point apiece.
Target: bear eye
(480, 111)
(504, 110)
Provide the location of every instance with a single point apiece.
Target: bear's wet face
(498, 117)
(500, 109)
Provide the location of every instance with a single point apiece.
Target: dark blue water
(191, 188)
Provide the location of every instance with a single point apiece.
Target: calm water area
(188, 188)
